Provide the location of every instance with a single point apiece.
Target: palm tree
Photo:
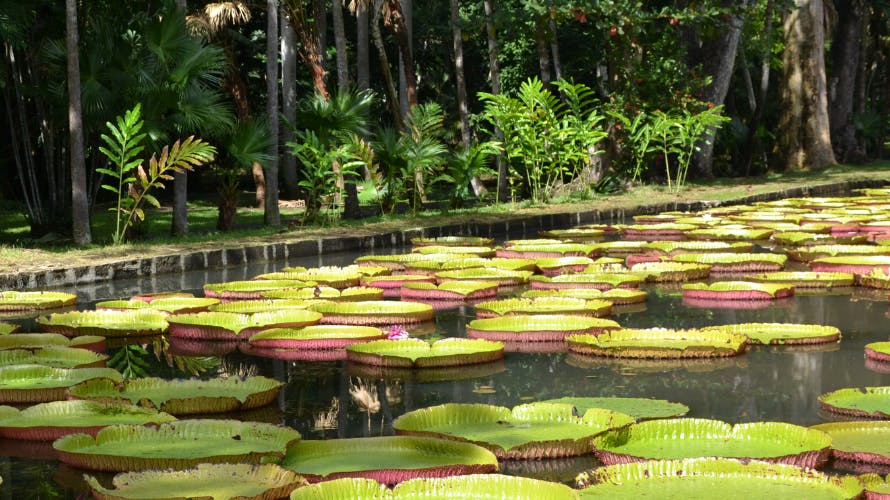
(80, 207)
(248, 145)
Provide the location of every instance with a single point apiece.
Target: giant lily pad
(49, 421)
(478, 251)
(7, 328)
(427, 374)
(206, 481)
(500, 276)
(735, 262)
(672, 271)
(316, 337)
(638, 408)
(432, 267)
(678, 247)
(56, 356)
(449, 290)
(662, 230)
(563, 265)
(231, 326)
(818, 251)
(537, 251)
(877, 278)
(452, 241)
(659, 343)
(251, 289)
(351, 294)
(417, 353)
(729, 234)
(377, 312)
(397, 262)
(12, 300)
(181, 305)
(714, 478)
(40, 340)
(856, 264)
(805, 279)
(617, 296)
(535, 430)
(677, 438)
(619, 248)
(878, 351)
(737, 290)
(867, 442)
(389, 460)
(601, 281)
(261, 305)
(333, 277)
(184, 397)
(175, 445)
(537, 328)
(543, 305)
(22, 384)
(392, 284)
(478, 486)
(105, 323)
(868, 402)
(782, 333)
(876, 487)
(804, 238)
(574, 235)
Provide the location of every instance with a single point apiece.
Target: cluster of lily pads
(549, 294)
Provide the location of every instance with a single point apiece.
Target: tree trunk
(320, 20)
(271, 215)
(308, 43)
(400, 14)
(554, 48)
(80, 207)
(457, 47)
(494, 74)
(180, 223)
(751, 144)
(719, 61)
(804, 133)
(288, 103)
(392, 94)
(543, 49)
(340, 43)
(845, 54)
(362, 55)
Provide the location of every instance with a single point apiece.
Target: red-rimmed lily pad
(453, 241)
(50, 421)
(664, 230)
(554, 266)
(261, 305)
(251, 289)
(543, 305)
(478, 251)
(334, 277)
(677, 438)
(530, 431)
(805, 279)
(183, 396)
(351, 294)
(417, 353)
(807, 254)
(737, 290)
(537, 251)
(429, 374)
(600, 281)
(39, 340)
(13, 300)
(862, 442)
(181, 305)
(468, 486)
(26, 384)
(449, 290)
(735, 262)
(862, 402)
(57, 356)
(574, 235)
(537, 328)
(659, 343)
(7, 328)
(397, 262)
(232, 326)
(713, 478)
(678, 247)
(729, 234)
(389, 460)
(672, 271)
(208, 481)
(802, 238)
(876, 487)
(638, 408)
(377, 312)
(878, 351)
(620, 248)
(175, 445)
(856, 264)
(316, 337)
(782, 333)
(392, 284)
(877, 278)
(617, 296)
(503, 277)
(105, 323)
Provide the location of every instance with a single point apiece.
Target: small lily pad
(638, 408)
(56, 356)
(24, 384)
(867, 402)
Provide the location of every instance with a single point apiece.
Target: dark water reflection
(330, 400)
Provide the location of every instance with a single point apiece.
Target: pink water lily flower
(396, 332)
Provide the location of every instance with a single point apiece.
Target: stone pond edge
(314, 246)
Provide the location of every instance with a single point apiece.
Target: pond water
(332, 400)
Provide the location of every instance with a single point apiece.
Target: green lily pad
(805, 279)
(22, 384)
(40, 340)
(536, 251)
(865, 442)
(602, 281)
(449, 290)
(620, 248)
(478, 251)
(737, 290)
(335, 277)
(351, 294)
(168, 305)
(552, 266)
(56, 356)
(251, 289)
(878, 351)
(818, 251)
(7, 328)
(875, 486)
(868, 402)
(49, 421)
(729, 234)
(659, 343)
(735, 262)
(671, 247)
(543, 305)
(672, 271)
(782, 333)
(206, 481)
(105, 323)
(530, 431)
(261, 305)
(574, 235)
(175, 445)
(657, 229)
(316, 337)
(455, 241)
(876, 278)
(397, 262)
(396, 280)
(417, 353)
(803, 238)
(617, 296)
(479, 486)
(677, 438)
(389, 460)
(714, 478)
(376, 312)
(184, 397)
(500, 276)
(856, 264)
(537, 328)
(638, 408)
(12, 300)
(233, 326)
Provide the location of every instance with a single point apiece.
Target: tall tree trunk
(719, 61)
(340, 43)
(288, 102)
(271, 215)
(494, 74)
(403, 9)
(80, 207)
(751, 143)
(362, 55)
(179, 225)
(845, 54)
(459, 76)
(308, 43)
(554, 47)
(804, 133)
(543, 49)
(320, 20)
(392, 94)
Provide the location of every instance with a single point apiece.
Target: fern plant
(134, 183)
